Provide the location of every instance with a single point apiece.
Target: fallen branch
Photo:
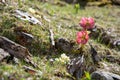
(52, 38)
(16, 50)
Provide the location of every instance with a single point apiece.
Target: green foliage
(87, 76)
(77, 7)
(19, 3)
(7, 23)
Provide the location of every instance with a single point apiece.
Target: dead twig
(52, 39)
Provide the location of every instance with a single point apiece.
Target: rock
(70, 1)
(43, 0)
(112, 59)
(3, 54)
(114, 76)
(15, 60)
(117, 43)
(102, 75)
(116, 1)
(106, 36)
(98, 75)
(76, 67)
(94, 54)
(64, 45)
(3, 2)
(110, 67)
(27, 17)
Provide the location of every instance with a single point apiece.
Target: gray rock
(116, 1)
(76, 67)
(3, 54)
(107, 36)
(114, 76)
(99, 75)
(64, 45)
(27, 17)
(102, 75)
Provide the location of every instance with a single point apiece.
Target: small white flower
(32, 10)
(63, 59)
(56, 59)
(63, 55)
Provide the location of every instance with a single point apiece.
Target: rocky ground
(35, 34)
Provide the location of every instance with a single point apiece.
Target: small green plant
(87, 76)
(19, 3)
(77, 7)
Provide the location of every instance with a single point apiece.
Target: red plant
(82, 37)
(87, 23)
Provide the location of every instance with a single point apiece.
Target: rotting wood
(13, 48)
(23, 37)
(32, 71)
(16, 50)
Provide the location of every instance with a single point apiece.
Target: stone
(106, 36)
(114, 76)
(94, 54)
(3, 54)
(26, 17)
(116, 1)
(99, 75)
(64, 45)
(102, 75)
(71, 1)
(76, 67)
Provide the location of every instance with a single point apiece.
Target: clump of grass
(7, 22)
